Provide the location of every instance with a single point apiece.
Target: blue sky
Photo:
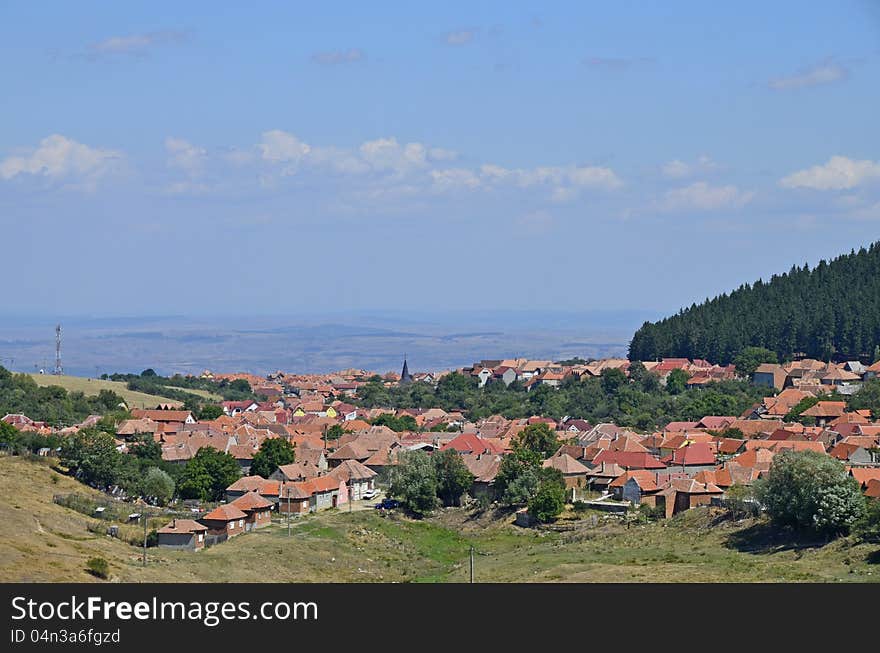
(203, 158)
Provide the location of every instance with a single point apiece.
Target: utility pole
(144, 519)
(472, 563)
(288, 512)
(58, 368)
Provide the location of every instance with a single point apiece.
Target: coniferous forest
(830, 312)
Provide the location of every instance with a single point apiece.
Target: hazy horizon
(311, 343)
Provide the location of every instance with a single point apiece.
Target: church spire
(404, 374)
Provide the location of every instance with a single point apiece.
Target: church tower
(405, 377)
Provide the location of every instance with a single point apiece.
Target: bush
(414, 481)
(652, 512)
(98, 567)
(868, 527)
(548, 501)
(809, 490)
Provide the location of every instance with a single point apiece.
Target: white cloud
(702, 196)
(60, 158)
(460, 37)
(822, 73)
(279, 146)
(386, 154)
(570, 177)
(185, 156)
(387, 162)
(594, 177)
(134, 44)
(439, 154)
(837, 174)
(677, 169)
(337, 57)
(564, 183)
(338, 160)
(454, 179)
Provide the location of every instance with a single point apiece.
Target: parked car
(370, 494)
(387, 504)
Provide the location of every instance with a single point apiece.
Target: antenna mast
(58, 368)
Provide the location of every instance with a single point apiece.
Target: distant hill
(829, 312)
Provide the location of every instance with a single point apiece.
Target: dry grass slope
(91, 387)
(46, 542)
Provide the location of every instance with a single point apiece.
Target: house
(719, 476)
(864, 475)
(294, 499)
(471, 443)
(484, 468)
(574, 474)
(715, 422)
(770, 375)
(311, 455)
(244, 485)
(601, 476)
(243, 454)
(506, 375)
(224, 521)
(872, 371)
(825, 411)
(294, 472)
(312, 495)
(483, 376)
(164, 416)
(577, 425)
(132, 428)
(182, 534)
(257, 508)
(853, 454)
(354, 450)
(683, 494)
(233, 408)
(359, 478)
(692, 458)
(636, 486)
(627, 459)
(728, 447)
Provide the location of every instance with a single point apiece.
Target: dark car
(387, 504)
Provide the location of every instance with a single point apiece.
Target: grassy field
(46, 542)
(91, 387)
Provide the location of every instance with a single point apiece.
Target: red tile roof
(251, 501)
(698, 453)
(183, 526)
(225, 512)
(628, 459)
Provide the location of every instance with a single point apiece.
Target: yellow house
(331, 412)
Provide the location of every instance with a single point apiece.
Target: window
(201, 537)
(241, 523)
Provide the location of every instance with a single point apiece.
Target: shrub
(98, 567)
(812, 491)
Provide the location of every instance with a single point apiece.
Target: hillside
(90, 387)
(45, 542)
(830, 311)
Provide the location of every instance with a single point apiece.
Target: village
(606, 467)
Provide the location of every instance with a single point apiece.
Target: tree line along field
(45, 542)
